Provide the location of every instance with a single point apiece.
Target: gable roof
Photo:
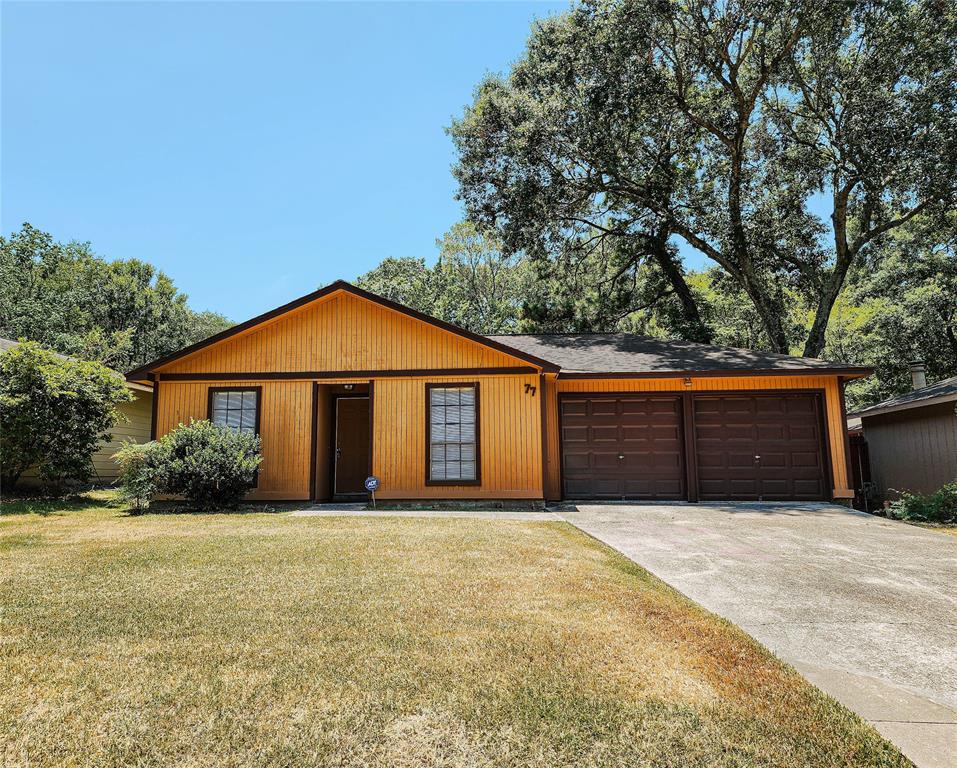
(586, 355)
(941, 392)
(340, 285)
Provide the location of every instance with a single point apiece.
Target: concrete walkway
(865, 608)
(359, 510)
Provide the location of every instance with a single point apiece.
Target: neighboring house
(136, 427)
(912, 438)
(341, 384)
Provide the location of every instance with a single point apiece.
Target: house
(342, 384)
(136, 427)
(911, 439)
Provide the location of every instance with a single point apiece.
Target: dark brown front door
(622, 448)
(762, 448)
(351, 445)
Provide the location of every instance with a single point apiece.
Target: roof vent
(918, 373)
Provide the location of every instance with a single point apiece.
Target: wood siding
(510, 433)
(285, 427)
(136, 429)
(342, 332)
(913, 450)
(828, 384)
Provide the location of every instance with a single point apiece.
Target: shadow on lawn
(181, 508)
(47, 506)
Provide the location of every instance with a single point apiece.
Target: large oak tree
(728, 125)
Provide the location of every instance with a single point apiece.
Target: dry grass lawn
(267, 640)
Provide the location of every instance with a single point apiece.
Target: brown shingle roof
(606, 353)
(942, 391)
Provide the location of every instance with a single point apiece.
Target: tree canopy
(783, 140)
(123, 313)
(54, 413)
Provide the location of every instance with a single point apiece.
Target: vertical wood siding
(510, 433)
(836, 428)
(913, 450)
(342, 332)
(284, 426)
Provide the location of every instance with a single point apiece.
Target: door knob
(621, 456)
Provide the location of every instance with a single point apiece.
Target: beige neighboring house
(136, 427)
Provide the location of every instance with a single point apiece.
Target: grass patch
(950, 530)
(263, 639)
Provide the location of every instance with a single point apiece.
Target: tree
(54, 413)
(472, 284)
(124, 313)
(637, 121)
(900, 305)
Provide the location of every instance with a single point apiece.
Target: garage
(759, 448)
(742, 447)
(622, 448)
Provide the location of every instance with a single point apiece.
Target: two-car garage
(708, 447)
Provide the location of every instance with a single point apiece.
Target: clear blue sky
(253, 151)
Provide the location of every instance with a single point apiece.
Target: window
(453, 434)
(235, 408)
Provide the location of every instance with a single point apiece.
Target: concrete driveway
(864, 607)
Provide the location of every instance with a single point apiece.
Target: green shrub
(937, 507)
(210, 466)
(141, 472)
(54, 413)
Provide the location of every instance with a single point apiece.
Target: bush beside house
(938, 507)
(54, 413)
(209, 466)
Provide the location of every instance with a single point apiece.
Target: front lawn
(263, 639)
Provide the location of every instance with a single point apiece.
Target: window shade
(452, 439)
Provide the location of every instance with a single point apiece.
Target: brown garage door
(622, 448)
(767, 447)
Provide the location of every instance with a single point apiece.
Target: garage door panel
(634, 447)
(802, 432)
(771, 432)
(575, 461)
(737, 460)
(604, 408)
(801, 459)
(604, 434)
(604, 461)
(575, 434)
(775, 453)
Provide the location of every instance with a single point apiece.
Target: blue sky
(253, 151)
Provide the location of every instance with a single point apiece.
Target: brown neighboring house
(135, 427)
(341, 384)
(911, 439)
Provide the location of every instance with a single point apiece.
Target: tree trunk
(695, 327)
(814, 345)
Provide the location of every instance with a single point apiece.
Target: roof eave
(849, 372)
(878, 410)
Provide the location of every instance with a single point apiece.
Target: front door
(351, 445)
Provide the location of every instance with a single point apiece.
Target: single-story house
(911, 439)
(342, 384)
(135, 427)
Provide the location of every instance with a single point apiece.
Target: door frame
(334, 437)
(687, 425)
